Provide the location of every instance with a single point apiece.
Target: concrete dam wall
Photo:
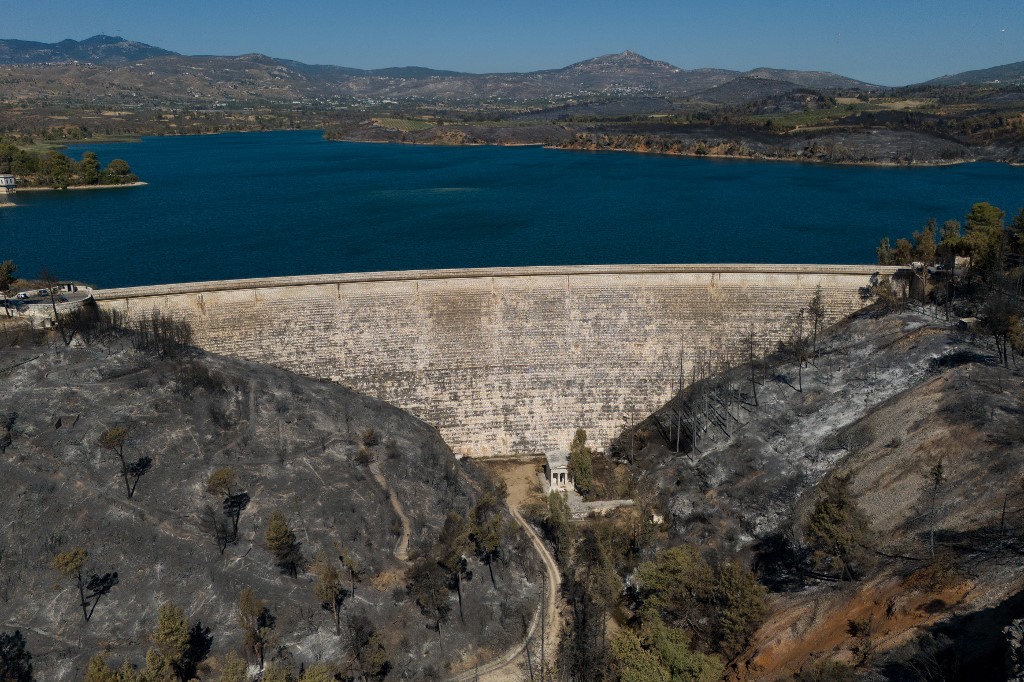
(504, 360)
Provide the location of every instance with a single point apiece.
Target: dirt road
(402, 546)
(523, 486)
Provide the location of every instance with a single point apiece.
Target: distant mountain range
(98, 49)
(151, 70)
(105, 68)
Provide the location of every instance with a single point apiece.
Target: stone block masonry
(504, 360)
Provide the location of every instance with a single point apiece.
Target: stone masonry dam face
(505, 360)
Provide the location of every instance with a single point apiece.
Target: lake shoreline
(78, 187)
(925, 163)
(937, 163)
(286, 203)
(782, 159)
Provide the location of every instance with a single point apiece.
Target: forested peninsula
(56, 170)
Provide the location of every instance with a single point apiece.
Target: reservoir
(290, 203)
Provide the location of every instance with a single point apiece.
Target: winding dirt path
(523, 486)
(402, 546)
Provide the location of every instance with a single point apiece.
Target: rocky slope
(884, 402)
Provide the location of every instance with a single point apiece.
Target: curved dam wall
(505, 360)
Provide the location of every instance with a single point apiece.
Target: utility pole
(543, 613)
(632, 436)
(529, 661)
(682, 373)
(679, 429)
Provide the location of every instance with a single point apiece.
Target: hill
(751, 89)
(353, 477)
(99, 49)
(1007, 74)
(629, 72)
(821, 80)
(152, 72)
(109, 87)
(886, 400)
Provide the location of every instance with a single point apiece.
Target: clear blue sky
(893, 42)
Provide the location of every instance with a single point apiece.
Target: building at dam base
(505, 360)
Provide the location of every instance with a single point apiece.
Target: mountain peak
(627, 60)
(104, 39)
(627, 56)
(99, 49)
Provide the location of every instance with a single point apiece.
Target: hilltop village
(836, 498)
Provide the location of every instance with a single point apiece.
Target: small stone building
(556, 471)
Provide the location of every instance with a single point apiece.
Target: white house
(556, 471)
(6, 188)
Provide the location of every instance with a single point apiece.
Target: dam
(506, 360)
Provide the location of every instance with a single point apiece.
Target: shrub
(681, 588)
(193, 375)
(283, 544)
(370, 438)
(364, 455)
(826, 671)
(837, 532)
(220, 481)
(940, 573)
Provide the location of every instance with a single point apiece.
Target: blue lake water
(288, 203)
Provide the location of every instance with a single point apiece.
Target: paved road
(36, 300)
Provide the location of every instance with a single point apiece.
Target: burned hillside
(147, 478)
(878, 495)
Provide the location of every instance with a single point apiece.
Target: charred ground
(314, 451)
(885, 399)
